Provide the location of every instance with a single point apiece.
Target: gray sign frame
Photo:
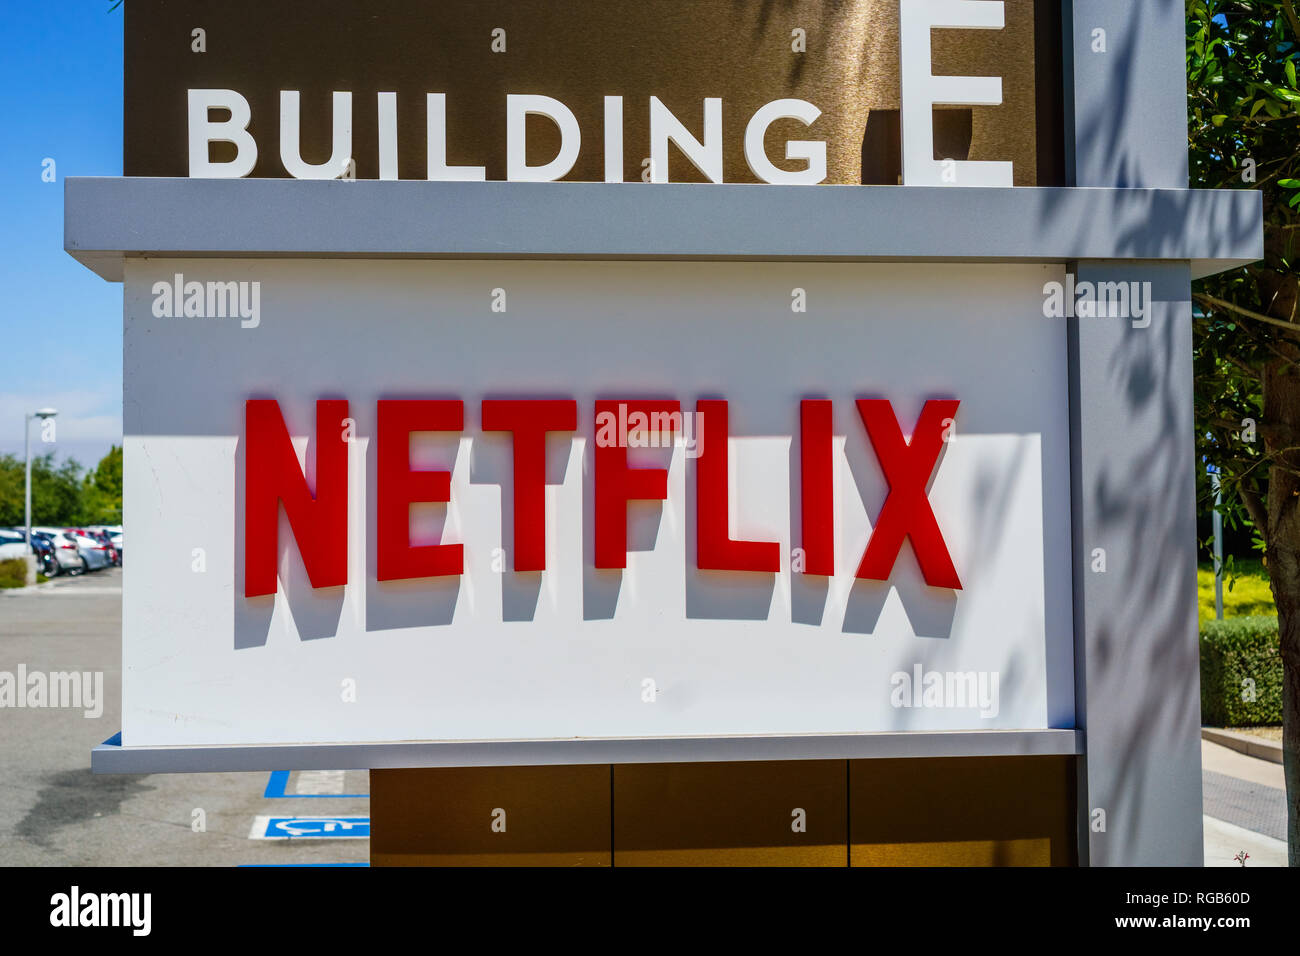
(1126, 215)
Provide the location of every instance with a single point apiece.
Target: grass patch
(1246, 592)
(13, 573)
(1268, 733)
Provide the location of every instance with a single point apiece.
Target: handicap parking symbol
(320, 828)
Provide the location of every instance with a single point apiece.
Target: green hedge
(1234, 651)
(13, 573)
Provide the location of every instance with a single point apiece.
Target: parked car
(102, 539)
(93, 551)
(44, 548)
(12, 546)
(109, 533)
(67, 553)
(107, 539)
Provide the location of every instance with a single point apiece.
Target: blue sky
(60, 324)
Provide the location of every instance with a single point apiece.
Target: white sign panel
(782, 360)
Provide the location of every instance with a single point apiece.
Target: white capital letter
(387, 106)
(811, 151)
(518, 108)
(922, 91)
(233, 130)
(613, 139)
(706, 156)
(437, 136)
(291, 148)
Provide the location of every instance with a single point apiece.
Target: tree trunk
(1290, 752)
(1281, 433)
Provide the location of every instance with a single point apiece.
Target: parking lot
(53, 811)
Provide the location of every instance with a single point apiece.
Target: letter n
(272, 476)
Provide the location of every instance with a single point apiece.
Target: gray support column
(1133, 459)
(1137, 680)
(1125, 108)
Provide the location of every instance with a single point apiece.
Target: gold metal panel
(491, 816)
(788, 813)
(963, 811)
(1015, 852)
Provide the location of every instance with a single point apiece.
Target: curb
(14, 592)
(1243, 743)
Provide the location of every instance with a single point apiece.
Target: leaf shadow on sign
(315, 611)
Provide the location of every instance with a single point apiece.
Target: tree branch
(1226, 424)
(1289, 7)
(1258, 514)
(1247, 313)
(1241, 363)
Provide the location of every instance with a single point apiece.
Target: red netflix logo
(318, 519)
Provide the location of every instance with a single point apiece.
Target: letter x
(906, 512)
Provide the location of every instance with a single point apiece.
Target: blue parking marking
(268, 866)
(279, 781)
(275, 786)
(310, 828)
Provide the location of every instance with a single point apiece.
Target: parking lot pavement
(1244, 800)
(107, 581)
(54, 811)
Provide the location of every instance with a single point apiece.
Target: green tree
(108, 474)
(101, 492)
(1244, 132)
(11, 490)
(61, 495)
(56, 491)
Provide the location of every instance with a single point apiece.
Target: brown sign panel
(843, 57)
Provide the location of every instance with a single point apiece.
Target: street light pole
(42, 414)
(1218, 549)
(27, 486)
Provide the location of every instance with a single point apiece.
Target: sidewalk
(1245, 808)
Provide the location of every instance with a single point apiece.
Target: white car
(66, 551)
(12, 546)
